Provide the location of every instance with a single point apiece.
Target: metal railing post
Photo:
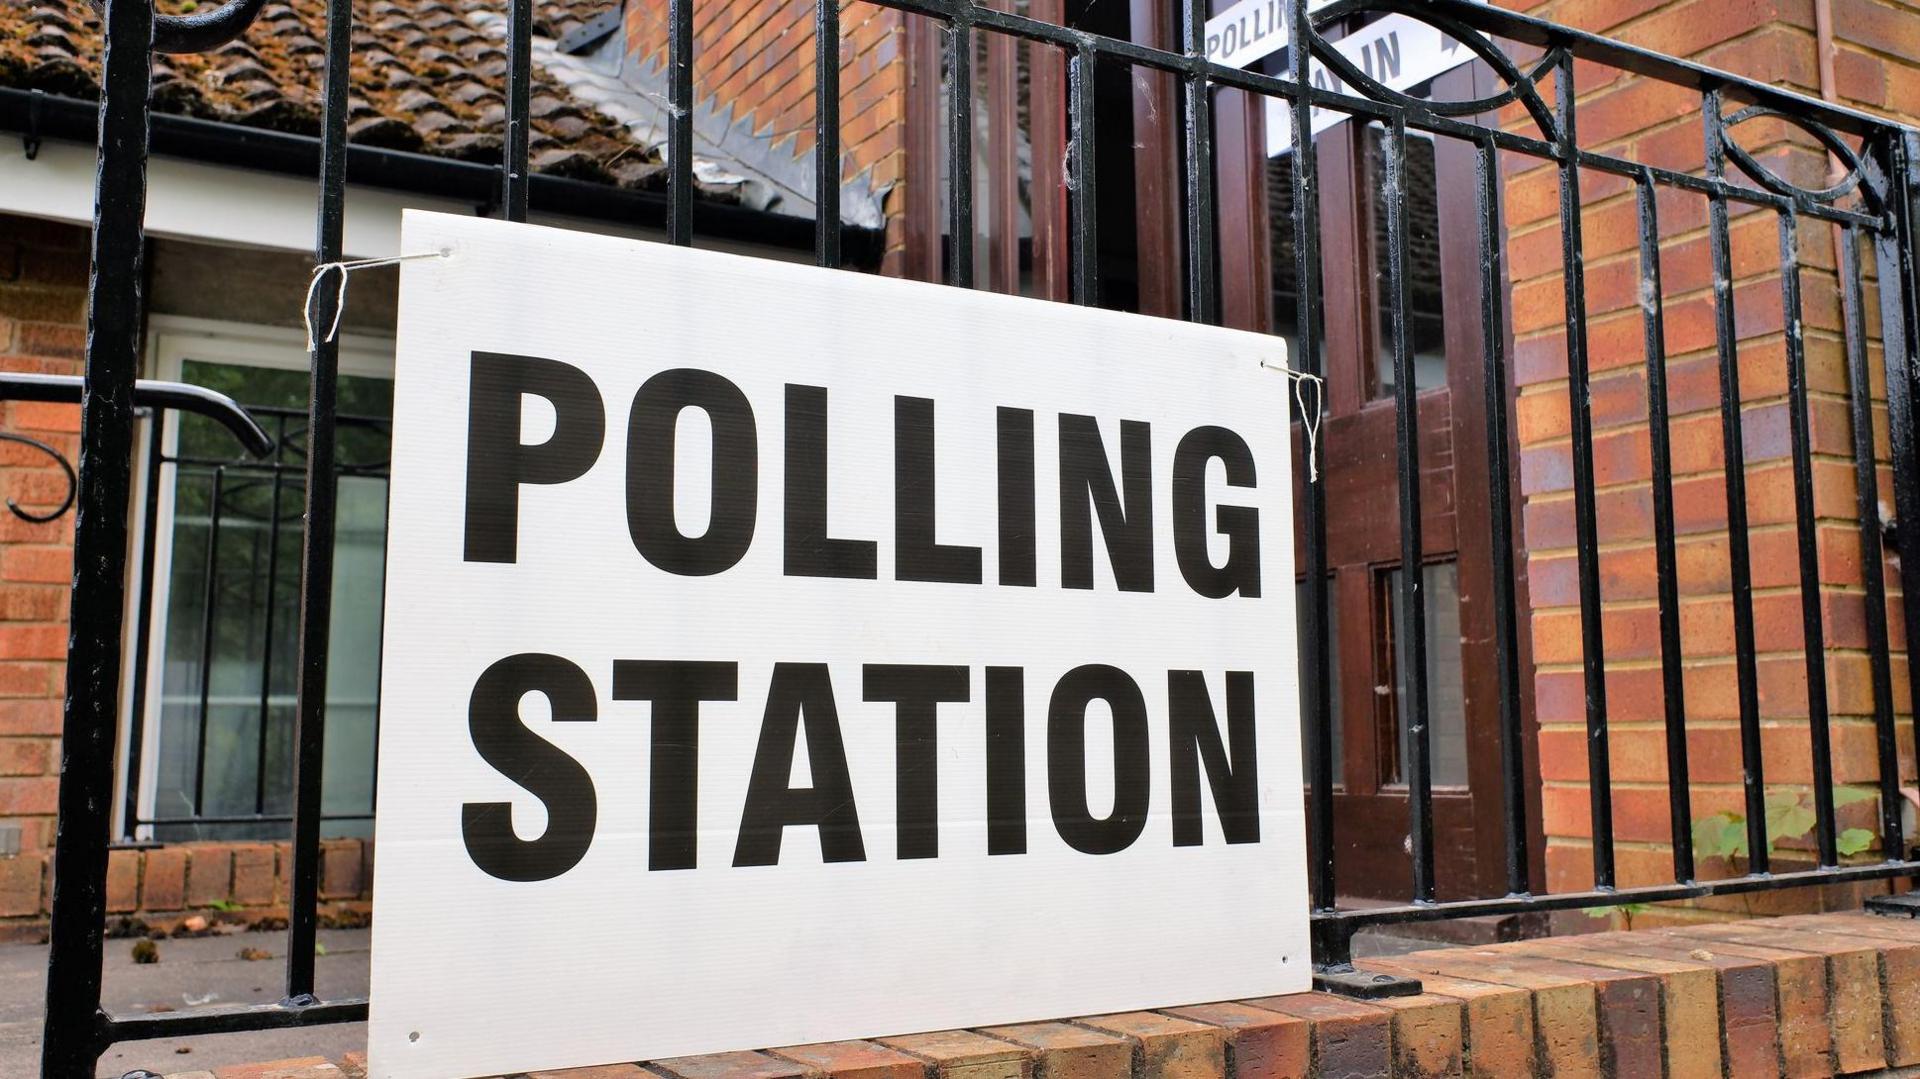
(74, 1034)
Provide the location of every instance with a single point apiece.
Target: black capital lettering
(1195, 737)
(915, 691)
(1085, 477)
(916, 556)
(1067, 760)
(735, 485)
(1017, 533)
(498, 462)
(1006, 761)
(673, 790)
(810, 551)
(800, 693)
(1240, 524)
(545, 770)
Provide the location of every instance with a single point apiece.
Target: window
(219, 674)
(1446, 701)
(1420, 215)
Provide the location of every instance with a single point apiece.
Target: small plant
(1626, 912)
(1789, 816)
(224, 906)
(1724, 835)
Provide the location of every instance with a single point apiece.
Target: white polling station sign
(777, 655)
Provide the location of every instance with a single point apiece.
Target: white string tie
(346, 269)
(1309, 417)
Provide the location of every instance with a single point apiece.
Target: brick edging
(1807, 995)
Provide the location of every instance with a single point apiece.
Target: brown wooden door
(1359, 468)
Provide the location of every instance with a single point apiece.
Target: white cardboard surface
(610, 961)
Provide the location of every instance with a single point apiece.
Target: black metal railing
(1874, 207)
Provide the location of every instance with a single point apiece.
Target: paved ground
(190, 972)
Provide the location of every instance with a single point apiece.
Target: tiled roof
(428, 76)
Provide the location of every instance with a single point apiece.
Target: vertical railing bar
(1411, 641)
(266, 639)
(209, 613)
(1085, 233)
(143, 626)
(316, 550)
(959, 35)
(1895, 250)
(1813, 643)
(680, 122)
(1315, 619)
(1586, 528)
(826, 137)
(1202, 272)
(1666, 567)
(514, 160)
(73, 1034)
(1506, 645)
(1733, 449)
(1872, 565)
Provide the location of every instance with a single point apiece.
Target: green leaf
(1846, 796)
(1854, 840)
(1789, 820)
(1706, 837)
(1779, 799)
(1721, 835)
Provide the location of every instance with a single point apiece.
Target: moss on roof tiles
(424, 79)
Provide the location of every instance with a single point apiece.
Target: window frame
(171, 340)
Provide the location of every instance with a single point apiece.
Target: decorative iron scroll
(1778, 184)
(201, 31)
(1521, 86)
(73, 480)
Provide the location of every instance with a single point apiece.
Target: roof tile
(425, 79)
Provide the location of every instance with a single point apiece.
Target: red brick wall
(757, 57)
(1660, 124)
(43, 280)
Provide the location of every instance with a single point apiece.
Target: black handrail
(147, 393)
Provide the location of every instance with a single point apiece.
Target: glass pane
(1446, 700)
(227, 684)
(1426, 317)
(1333, 683)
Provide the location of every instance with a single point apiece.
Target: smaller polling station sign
(1397, 51)
(778, 655)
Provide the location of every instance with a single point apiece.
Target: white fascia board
(193, 201)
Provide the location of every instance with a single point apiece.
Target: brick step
(1808, 995)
